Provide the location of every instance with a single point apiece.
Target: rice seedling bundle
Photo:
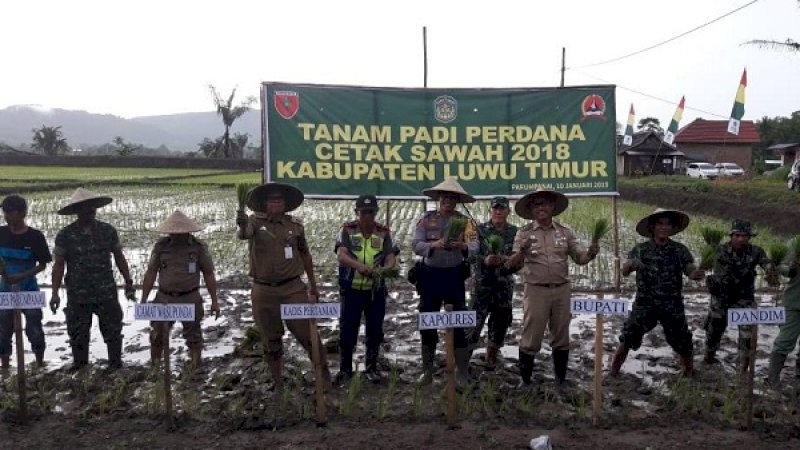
(707, 256)
(777, 252)
(455, 228)
(242, 189)
(600, 228)
(494, 244)
(712, 236)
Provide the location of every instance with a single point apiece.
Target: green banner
(341, 141)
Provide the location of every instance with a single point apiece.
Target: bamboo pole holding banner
(452, 418)
(597, 402)
(167, 376)
(319, 383)
(22, 416)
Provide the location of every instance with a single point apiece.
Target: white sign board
(603, 306)
(22, 300)
(454, 319)
(164, 312)
(292, 311)
(752, 316)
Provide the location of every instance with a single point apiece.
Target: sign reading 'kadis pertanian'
(335, 141)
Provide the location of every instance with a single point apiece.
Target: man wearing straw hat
(543, 247)
(279, 255)
(732, 285)
(445, 270)
(178, 260)
(660, 264)
(85, 247)
(363, 245)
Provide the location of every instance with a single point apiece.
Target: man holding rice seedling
(786, 341)
(279, 255)
(660, 264)
(177, 260)
(493, 286)
(732, 285)
(23, 254)
(543, 247)
(84, 248)
(445, 239)
(366, 253)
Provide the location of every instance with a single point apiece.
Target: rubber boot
(526, 361)
(462, 356)
(275, 363)
(619, 359)
(710, 358)
(5, 369)
(491, 357)
(196, 356)
(560, 360)
(371, 360)
(428, 355)
(776, 362)
(687, 362)
(743, 363)
(80, 356)
(114, 355)
(345, 366)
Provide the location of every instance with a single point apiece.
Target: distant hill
(179, 132)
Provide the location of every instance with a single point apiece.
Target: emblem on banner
(593, 106)
(287, 103)
(445, 108)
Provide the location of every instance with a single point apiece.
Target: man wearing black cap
(493, 283)
(362, 246)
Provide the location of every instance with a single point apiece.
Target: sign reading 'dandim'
(164, 312)
(752, 316)
(454, 319)
(603, 306)
(291, 311)
(22, 300)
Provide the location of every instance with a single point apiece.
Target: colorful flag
(669, 136)
(628, 139)
(738, 106)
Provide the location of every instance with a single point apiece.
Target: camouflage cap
(500, 201)
(742, 226)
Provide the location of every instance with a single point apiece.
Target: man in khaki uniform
(543, 247)
(279, 255)
(178, 260)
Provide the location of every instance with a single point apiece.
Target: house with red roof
(709, 141)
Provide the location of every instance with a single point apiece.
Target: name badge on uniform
(287, 252)
(192, 267)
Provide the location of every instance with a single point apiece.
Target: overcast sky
(144, 57)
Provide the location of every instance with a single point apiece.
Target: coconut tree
(229, 113)
(49, 140)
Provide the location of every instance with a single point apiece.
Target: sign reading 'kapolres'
(454, 319)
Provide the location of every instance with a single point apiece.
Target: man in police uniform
(362, 246)
(85, 248)
(279, 255)
(445, 270)
(660, 264)
(493, 283)
(177, 261)
(544, 247)
(732, 285)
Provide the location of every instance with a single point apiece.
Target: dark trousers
(438, 287)
(492, 303)
(355, 304)
(79, 323)
(33, 329)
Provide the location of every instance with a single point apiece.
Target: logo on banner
(287, 103)
(445, 108)
(593, 106)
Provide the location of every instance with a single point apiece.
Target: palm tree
(229, 114)
(49, 140)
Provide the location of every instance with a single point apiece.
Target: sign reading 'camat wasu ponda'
(341, 141)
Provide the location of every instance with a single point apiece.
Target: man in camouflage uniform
(493, 283)
(279, 255)
(177, 261)
(445, 270)
(660, 264)
(786, 341)
(732, 285)
(85, 247)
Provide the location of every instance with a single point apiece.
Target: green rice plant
(416, 400)
(600, 228)
(385, 273)
(353, 389)
(712, 236)
(455, 228)
(794, 250)
(777, 251)
(242, 191)
(494, 244)
(707, 257)
(488, 397)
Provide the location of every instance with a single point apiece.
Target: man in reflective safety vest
(364, 249)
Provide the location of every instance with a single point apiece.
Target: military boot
(462, 356)
(114, 354)
(80, 356)
(428, 355)
(776, 362)
(371, 360)
(526, 361)
(491, 357)
(560, 360)
(687, 362)
(619, 359)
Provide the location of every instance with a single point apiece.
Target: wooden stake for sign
(23, 398)
(167, 375)
(597, 403)
(388, 213)
(751, 356)
(319, 383)
(452, 419)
